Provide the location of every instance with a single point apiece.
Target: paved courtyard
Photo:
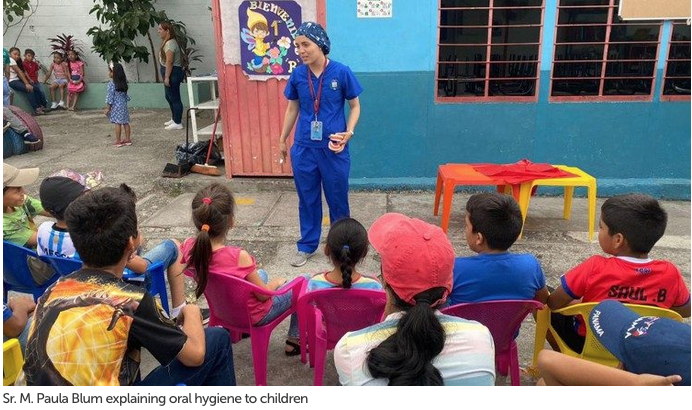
(267, 220)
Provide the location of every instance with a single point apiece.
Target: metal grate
(488, 50)
(598, 57)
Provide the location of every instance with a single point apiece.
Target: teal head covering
(5, 56)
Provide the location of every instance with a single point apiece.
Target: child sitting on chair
(89, 327)
(18, 208)
(213, 210)
(493, 224)
(54, 239)
(629, 227)
(56, 194)
(346, 247)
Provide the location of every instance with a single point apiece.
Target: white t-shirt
(55, 241)
(467, 359)
(13, 74)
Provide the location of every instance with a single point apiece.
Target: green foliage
(64, 43)
(15, 8)
(124, 20)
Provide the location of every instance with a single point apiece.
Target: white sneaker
(174, 126)
(54, 105)
(169, 122)
(301, 258)
(61, 104)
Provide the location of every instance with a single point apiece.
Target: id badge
(316, 130)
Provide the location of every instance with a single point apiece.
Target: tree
(13, 9)
(124, 20)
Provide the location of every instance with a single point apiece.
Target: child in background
(6, 90)
(213, 210)
(76, 85)
(31, 68)
(18, 208)
(20, 81)
(116, 104)
(629, 227)
(59, 69)
(493, 224)
(346, 247)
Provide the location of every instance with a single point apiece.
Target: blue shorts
(166, 252)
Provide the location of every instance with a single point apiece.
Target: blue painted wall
(403, 134)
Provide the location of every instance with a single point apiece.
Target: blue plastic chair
(157, 273)
(16, 275)
(65, 266)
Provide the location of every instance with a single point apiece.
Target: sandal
(127, 143)
(118, 145)
(295, 346)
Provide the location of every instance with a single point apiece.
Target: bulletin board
(654, 9)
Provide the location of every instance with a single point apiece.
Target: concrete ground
(267, 221)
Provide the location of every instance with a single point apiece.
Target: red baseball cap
(416, 256)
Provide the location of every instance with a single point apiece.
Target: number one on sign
(275, 24)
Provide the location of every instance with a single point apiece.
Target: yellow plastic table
(581, 180)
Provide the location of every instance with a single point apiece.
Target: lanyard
(316, 101)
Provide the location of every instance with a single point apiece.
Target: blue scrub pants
(315, 169)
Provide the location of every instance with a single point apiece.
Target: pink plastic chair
(227, 297)
(326, 315)
(503, 318)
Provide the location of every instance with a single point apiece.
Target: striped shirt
(320, 281)
(467, 359)
(54, 241)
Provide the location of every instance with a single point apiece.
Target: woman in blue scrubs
(316, 93)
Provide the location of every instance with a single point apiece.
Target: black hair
(348, 245)
(20, 65)
(29, 51)
(497, 217)
(213, 206)
(119, 77)
(405, 357)
(129, 191)
(639, 218)
(76, 53)
(101, 223)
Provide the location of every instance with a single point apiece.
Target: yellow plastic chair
(593, 349)
(582, 180)
(12, 361)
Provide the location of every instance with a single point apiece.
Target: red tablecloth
(522, 171)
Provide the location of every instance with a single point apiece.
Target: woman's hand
(29, 88)
(283, 150)
(167, 82)
(339, 140)
(107, 111)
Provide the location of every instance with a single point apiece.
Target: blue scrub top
(339, 85)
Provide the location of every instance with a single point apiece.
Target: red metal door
(252, 113)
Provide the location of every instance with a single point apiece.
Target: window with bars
(599, 57)
(676, 78)
(488, 50)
